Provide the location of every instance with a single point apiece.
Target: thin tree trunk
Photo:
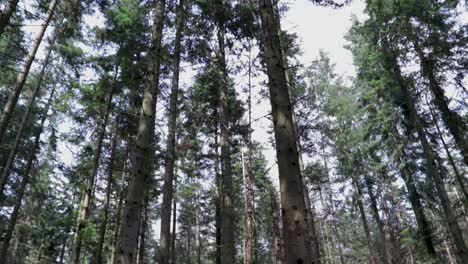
(19, 134)
(110, 179)
(452, 120)
(336, 233)
(197, 234)
(228, 251)
(380, 225)
(277, 237)
(218, 219)
(24, 183)
(429, 156)
(248, 177)
(121, 195)
(171, 136)
(24, 72)
(365, 225)
(295, 213)
(174, 222)
(6, 13)
(128, 237)
(143, 228)
(415, 198)
(87, 196)
(460, 179)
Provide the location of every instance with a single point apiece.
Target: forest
(192, 131)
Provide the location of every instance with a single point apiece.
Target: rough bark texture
(87, 196)
(6, 13)
(432, 171)
(128, 237)
(218, 199)
(228, 251)
(24, 72)
(277, 237)
(24, 183)
(171, 140)
(110, 179)
(295, 223)
(19, 134)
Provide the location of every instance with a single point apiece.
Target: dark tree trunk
(6, 13)
(171, 136)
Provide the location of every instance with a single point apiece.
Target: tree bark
(6, 13)
(295, 223)
(171, 136)
(24, 182)
(432, 171)
(128, 237)
(19, 134)
(87, 196)
(228, 251)
(218, 219)
(24, 72)
(365, 225)
(110, 179)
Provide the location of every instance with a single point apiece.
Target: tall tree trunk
(110, 179)
(122, 193)
(248, 177)
(277, 237)
(458, 176)
(228, 251)
(365, 225)
(424, 227)
(197, 234)
(382, 242)
(24, 72)
(6, 13)
(295, 213)
(143, 227)
(128, 237)
(336, 233)
(452, 120)
(19, 134)
(218, 219)
(171, 136)
(24, 182)
(174, 223)
(429, 156)
(87, 196)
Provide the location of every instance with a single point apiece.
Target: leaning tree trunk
(128, 237)
(295, 223)
(19, 134)
(365, 225)
(21, 79)
(24, 183)
(87, 196)
(227, 223)
(6, 13)
(452, 119)
(430, 160)
(110, 179)
(277, 238)
(414, 197)
(165, 234)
